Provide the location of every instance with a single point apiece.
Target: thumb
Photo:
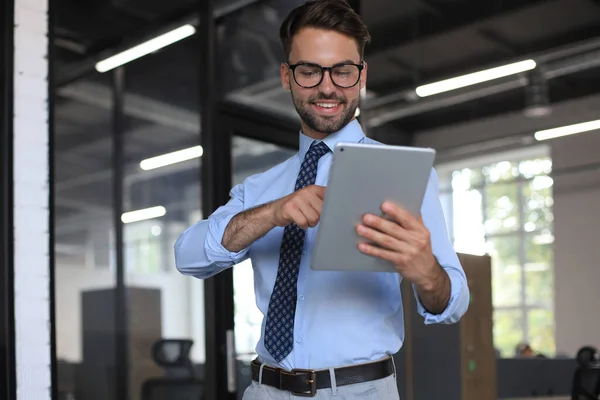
(320, 190)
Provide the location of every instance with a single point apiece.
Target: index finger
(403, 217)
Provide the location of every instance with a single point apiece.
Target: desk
(540, 398)
(524, 378)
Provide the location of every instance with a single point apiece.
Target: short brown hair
(336, 15)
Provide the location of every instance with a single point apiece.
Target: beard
(325, 124)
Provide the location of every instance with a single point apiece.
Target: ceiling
(414, 42)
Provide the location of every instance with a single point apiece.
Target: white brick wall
(31, 230)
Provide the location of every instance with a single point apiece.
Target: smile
(328, 105)
(327, 108)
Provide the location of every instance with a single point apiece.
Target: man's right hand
(303, 207)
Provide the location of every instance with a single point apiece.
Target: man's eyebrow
(315, 63)
(347, 62)
(305, 62)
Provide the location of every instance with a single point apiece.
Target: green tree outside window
(507, 206)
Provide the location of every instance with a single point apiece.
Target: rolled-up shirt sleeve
(198, 250)
(433, 217)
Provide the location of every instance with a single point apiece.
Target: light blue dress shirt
(341, 318)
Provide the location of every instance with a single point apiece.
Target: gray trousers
(381, 389)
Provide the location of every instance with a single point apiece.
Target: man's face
(325, 108)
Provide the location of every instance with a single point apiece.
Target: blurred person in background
(524, 350)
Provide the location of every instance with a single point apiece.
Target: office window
(502, 206)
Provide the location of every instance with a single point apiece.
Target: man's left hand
(403, 240)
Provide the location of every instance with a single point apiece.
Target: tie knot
(318, 149)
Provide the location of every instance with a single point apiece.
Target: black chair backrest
(586, 383)
(174, 356)
(180, 381)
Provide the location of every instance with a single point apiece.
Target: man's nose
(327, 85)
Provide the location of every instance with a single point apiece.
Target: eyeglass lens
(341, 75)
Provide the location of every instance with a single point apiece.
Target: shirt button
(304, 252)
(301, 297)
(299, 340)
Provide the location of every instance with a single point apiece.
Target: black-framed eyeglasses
(309, 75)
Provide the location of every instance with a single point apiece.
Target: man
(336, 330)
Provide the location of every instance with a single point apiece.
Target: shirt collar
(351, 133)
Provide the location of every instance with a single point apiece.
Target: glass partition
(252, 57)
(84, 243)
(161, 107)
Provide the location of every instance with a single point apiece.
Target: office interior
(144, 147)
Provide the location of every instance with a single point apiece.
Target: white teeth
(327, 105)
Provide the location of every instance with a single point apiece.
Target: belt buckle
(312, 381)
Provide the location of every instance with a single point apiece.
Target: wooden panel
(465, 349)
(478, 361)
(408, 302)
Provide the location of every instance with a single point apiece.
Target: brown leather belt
(303, 382)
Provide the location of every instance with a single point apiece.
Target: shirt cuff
(457, 305)
(215, 252)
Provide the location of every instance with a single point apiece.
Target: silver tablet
(361, 178)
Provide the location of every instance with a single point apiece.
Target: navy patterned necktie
(279, 329)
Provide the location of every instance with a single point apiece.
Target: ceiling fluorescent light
(474, 78)
(567, 130)
(144, 214)
(172, 158)
(145, 48)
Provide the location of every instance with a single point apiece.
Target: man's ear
(285, 77)
(363, 76)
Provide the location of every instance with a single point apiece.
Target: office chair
(179, 382)
(586, 380)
